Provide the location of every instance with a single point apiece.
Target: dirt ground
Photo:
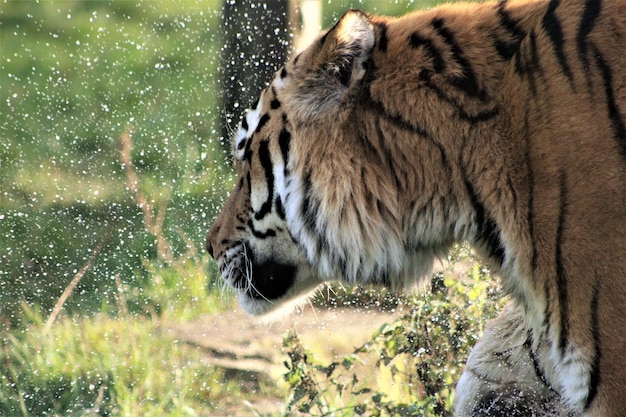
(241, 343)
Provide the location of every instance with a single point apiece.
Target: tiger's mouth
(267, 286)
(270, 280)
(267, 280)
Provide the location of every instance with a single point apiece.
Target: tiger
(390, 139)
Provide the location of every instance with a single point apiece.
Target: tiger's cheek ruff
(344, 243)
(256, 253)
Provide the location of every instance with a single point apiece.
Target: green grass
(119, 362)
(107, 366)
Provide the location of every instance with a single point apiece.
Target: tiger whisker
(248, 276)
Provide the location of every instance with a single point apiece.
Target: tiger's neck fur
(454, 66)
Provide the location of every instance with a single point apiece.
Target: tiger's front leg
(502, 378)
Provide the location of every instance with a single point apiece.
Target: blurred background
(114, 161)
(113, 116)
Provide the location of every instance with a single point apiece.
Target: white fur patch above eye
(279, 82)
(252, 118)
(246, 129)
(240, 142)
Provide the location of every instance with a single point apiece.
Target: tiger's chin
(276, 289)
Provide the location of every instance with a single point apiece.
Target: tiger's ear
(326, 72)
(345, 48)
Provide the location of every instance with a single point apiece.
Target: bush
(409, 367)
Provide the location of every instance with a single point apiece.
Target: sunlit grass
(122, 366)
(179, 291)
(120, 361)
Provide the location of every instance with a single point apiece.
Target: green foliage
(75, 76)
(178, 291)
(103, 367)
(409, 367)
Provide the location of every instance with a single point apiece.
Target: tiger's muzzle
(261, 280)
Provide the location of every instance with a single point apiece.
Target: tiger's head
(310, 203)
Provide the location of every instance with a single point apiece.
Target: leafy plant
(410, 366)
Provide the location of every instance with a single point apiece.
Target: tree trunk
(256, 43)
